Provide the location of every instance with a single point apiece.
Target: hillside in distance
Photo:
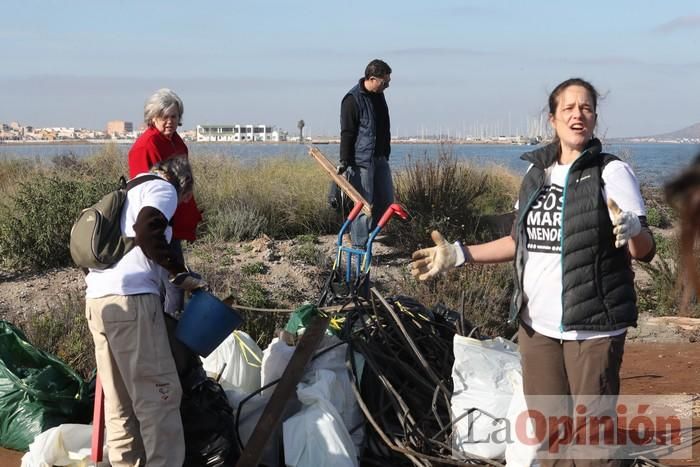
(690, 134)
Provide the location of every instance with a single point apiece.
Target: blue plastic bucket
(206, 322)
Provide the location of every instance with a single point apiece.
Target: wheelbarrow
(351, 266)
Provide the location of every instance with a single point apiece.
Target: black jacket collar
(547, 155)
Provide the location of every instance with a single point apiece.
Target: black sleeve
(645, 226)
(349, 125)
(150, 236)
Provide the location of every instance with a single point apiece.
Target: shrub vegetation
(35, 225)
(280, 198)
(286, 199)
(452, 197)
(60, 328)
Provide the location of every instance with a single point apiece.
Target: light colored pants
(141, 387)
(374, 183)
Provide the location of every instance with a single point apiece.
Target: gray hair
(161, 102)
(178, 171)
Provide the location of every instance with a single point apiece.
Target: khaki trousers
(141, 387)
(570, 368)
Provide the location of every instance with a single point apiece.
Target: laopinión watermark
(584, 427)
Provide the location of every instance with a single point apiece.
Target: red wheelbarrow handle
(393, 209)
(98, 422)
(355, 211)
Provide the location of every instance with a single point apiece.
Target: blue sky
(457, 65)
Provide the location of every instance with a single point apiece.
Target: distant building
(119, 128)
(188, 135)
(56, 133)
(238, 133)
(9, 134)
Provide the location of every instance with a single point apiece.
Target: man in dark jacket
(365, 145)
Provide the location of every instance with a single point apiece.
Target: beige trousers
(141, 387)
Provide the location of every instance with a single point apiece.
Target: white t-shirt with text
(542, 276)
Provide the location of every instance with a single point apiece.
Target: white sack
(277, 355)
(64, 445)
(317, 436)
(519, 454)
(275, 359)
(251, 411)
(484, 375)
(242, 359)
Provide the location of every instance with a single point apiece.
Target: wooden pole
(341, 181)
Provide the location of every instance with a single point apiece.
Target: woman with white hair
(162, 114)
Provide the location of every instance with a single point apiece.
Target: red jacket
(152, 147)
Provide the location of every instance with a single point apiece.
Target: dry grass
(278, 197)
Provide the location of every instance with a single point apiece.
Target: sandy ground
(293, 273)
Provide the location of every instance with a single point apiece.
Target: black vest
(367, 132)
(597, 279)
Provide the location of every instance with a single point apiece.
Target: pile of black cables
(405, 386)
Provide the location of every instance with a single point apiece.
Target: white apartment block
(237, 133)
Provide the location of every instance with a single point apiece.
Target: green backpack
(96, 239)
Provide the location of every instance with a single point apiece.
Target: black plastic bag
(208, 421)
(207, 417)
(337, 200)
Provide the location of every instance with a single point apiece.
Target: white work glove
(444, 256)
(626, 224)
(189, 281)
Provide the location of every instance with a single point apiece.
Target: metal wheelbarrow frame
(351, 266)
